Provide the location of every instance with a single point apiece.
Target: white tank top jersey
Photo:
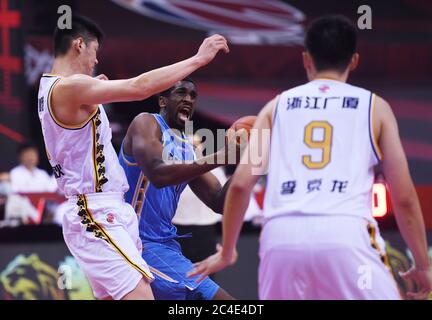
(323, 151)
(82, 156)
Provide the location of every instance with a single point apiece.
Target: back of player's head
(331, 41)
(81, 27)
(167, 92)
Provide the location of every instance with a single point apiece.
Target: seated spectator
(4, 191)
(14, 209)
(27, 177)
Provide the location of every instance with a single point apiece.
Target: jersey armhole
(373, 138)
(126, 158)
(57, 121)
(274, 114)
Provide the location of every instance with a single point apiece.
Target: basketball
(245, 122)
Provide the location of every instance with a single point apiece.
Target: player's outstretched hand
(211, 265)
(210, 47)
(423, 281)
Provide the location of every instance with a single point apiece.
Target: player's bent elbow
(217, 207)
(405, 204)
(236, 187)
(158, 183)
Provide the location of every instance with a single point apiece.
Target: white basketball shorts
(318, 257)
(101, 232)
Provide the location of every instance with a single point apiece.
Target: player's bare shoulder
(266, 113)
(143, 123)
(381, 103)
(143, 119)
(74, 83)
(382, 110)
(69, 88)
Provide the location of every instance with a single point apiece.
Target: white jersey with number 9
(323, 151)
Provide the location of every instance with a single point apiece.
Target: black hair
(167, 92)
(81, 27)
(26, 146)
(331, 41)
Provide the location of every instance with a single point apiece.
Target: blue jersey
(156, 207)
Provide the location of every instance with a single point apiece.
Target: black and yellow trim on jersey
(372, 233)
(98, 156)
(57, 121)
(372, 136)
(92, 225)
(383, 256)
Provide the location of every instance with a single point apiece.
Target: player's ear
(307, 60)
(78, 44)
(354, 62)
(162, 102)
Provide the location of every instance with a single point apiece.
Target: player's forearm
(166, 174)
(219, 197)
(411, 225)
(160, 79)
(236, 203)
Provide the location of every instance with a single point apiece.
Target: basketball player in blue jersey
(156, 186)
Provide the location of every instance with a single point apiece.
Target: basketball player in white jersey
(319, 239)
(99, 228)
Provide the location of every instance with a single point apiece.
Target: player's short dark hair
(81, 27)
(167, 92)
(26, 146)
(331, 41)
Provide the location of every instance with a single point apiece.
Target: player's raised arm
(95, 91)
(404, 197)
